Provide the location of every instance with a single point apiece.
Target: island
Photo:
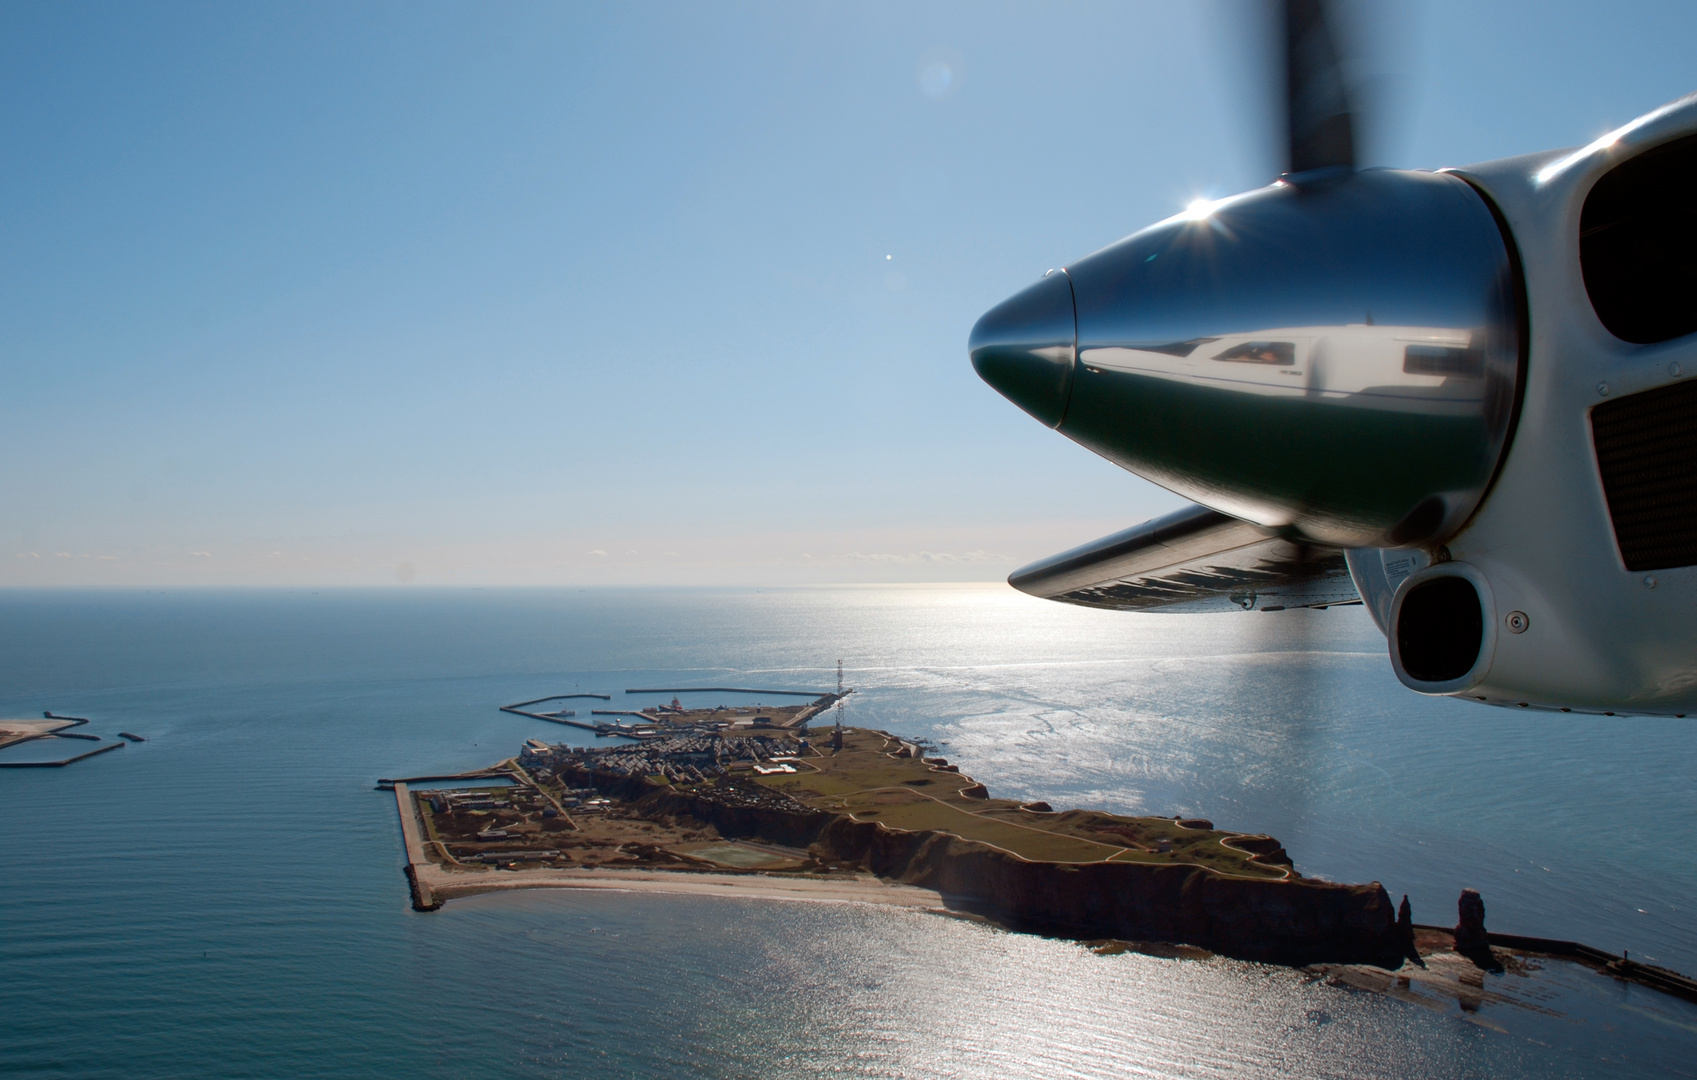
(748, 802)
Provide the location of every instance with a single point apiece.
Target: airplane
(1465, 398)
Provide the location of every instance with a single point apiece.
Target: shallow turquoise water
(226, 899)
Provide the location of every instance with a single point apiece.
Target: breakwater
(1608, 963)
(556, 697)
(411, 835)
(566, 720)
(730, 690)
(61, 764)
(387, 784)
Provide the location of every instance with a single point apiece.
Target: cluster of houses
(685, 759)
(448, 802)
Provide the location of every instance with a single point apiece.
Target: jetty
(730, 690)
(556, 697)
(1599, 960)
(552, 719)
(521, 708)
(61, 764)
(386, 784)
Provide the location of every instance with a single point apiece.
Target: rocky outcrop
(1470, 922)
(1471, 938)
(1405, 932)
(1286, 922)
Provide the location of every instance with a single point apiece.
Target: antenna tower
(837, 736)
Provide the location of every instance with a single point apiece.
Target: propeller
(1320, 114)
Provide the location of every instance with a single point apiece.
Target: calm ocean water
(225, 900)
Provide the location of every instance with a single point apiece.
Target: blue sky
(583, 293)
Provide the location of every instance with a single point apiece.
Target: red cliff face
(1283, 922)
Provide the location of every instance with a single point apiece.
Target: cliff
(1283, 922)
(1294, 922)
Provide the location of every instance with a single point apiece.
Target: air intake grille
(1647, 451)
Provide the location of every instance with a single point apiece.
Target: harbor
(672, 719)
(52, 726)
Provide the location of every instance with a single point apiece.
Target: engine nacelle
(1337, 359)
(1482, 383)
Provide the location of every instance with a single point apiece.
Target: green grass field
(866, 780)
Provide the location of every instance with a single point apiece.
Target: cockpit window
(1443, 360)
(1637, 238)
(1279, 353)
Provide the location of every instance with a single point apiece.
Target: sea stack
(1470, 927)
(1471, 939)
(1405, 931)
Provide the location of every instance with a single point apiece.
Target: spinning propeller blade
(1320, 116)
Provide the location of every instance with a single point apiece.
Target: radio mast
(837, 736)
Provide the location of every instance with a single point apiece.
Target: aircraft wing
(1195, 559)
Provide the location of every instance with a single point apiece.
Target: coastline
(1282, 919)
(432, 886)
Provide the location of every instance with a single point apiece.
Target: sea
(226, 899)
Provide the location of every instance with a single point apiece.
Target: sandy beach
(448, 884)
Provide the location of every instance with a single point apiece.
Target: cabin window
(1637, 234)
(1276, 353)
